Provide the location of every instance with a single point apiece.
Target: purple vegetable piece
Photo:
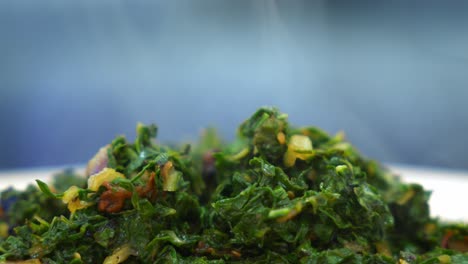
(98, 162)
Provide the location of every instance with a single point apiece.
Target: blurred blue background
(74, 74)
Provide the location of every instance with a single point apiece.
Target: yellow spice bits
(299, 147)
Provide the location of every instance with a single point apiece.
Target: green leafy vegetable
(276, 194)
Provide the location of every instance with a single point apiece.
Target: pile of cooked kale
(277, 194)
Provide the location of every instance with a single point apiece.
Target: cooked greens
(277, 194)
